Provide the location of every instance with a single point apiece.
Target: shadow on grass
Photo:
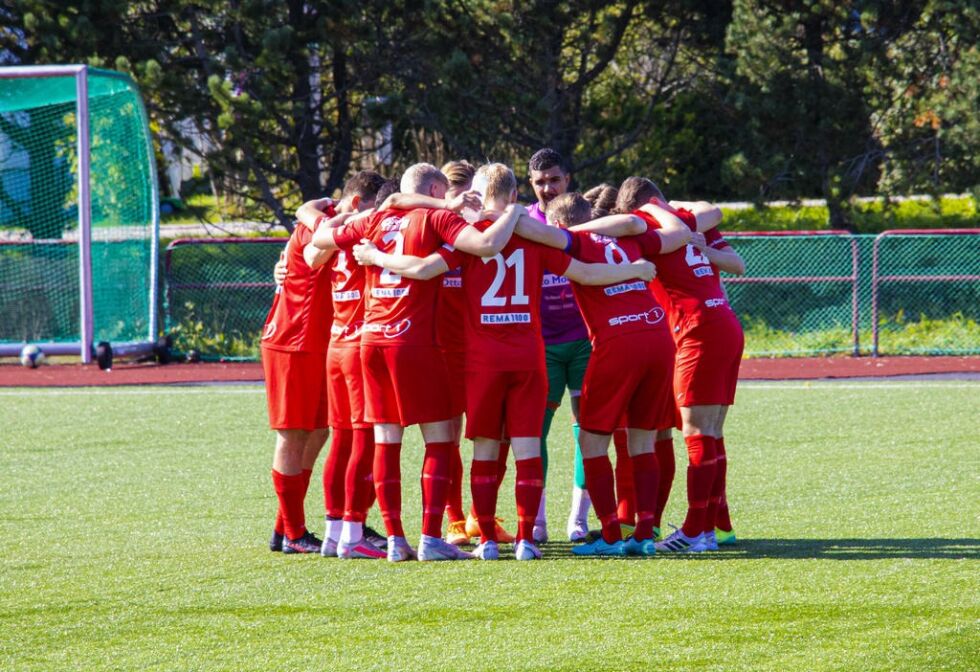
(819, 549)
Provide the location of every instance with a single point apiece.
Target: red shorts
(505, 403)
(457, 381)
(628, 382)
(296, 389)
(346, 388)
(405, 385)
(708, 357)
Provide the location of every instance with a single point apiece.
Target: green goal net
(77, 252)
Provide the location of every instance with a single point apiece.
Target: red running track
(804, 368)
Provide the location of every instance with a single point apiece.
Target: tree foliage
(733, 100)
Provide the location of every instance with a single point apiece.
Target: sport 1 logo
(516, 261)
(397, 329)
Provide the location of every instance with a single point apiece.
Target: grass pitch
(134, 526)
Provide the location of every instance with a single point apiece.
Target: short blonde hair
(569, 209)
(499, 181)
(458, 173)
(418, 177)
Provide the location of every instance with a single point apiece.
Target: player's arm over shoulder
(613, 225)
(707, 214)
(538, 232)
(717, 250)
(609, 274)
(415, 268)
(491, 240)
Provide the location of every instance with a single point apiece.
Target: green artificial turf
(134, 524)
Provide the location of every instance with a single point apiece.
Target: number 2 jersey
(503, 303)
(397, 310)
(687, 284)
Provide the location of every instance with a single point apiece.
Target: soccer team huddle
(439, 297)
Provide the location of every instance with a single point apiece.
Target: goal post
(78, 188)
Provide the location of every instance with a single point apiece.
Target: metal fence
(805, 293)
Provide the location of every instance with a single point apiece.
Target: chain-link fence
(804, 293)
(218, 292)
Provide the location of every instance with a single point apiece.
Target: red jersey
(687, 282)
(450, 310)
(503, 303)
(612, 310)
(397, 310)
(301, 313)
(347, 284)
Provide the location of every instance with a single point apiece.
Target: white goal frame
(85, 348)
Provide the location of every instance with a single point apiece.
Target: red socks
(388, 486)
(335, 472)
(664, 450)
(483, 484)
(358, 483)
(646, 477)
(624, 479)
(599, 481)
(291, 491)
(527, 490)
(722, 520)
(700, 479)
(435, 486)
(454, 507)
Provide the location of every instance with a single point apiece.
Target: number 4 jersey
(503, 303)
(687, 284)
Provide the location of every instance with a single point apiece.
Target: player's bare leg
(698, 426)
(311, 450)
(601, 484)
(438, 438)
(291, 485)
(646, 476)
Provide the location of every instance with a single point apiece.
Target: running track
(809, 368)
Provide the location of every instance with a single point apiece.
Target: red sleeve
(688, 218)
(347, 236)
(447, 224)
(714, 239)
(452, 256)
(555, 261)
(650, 243)
(575, 243)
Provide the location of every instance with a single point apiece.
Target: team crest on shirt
(270, 331)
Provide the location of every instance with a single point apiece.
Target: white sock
(581, 502)
(333, 529)
(351, 533)
(541, 518)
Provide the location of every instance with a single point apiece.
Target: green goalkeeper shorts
(566, 363)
